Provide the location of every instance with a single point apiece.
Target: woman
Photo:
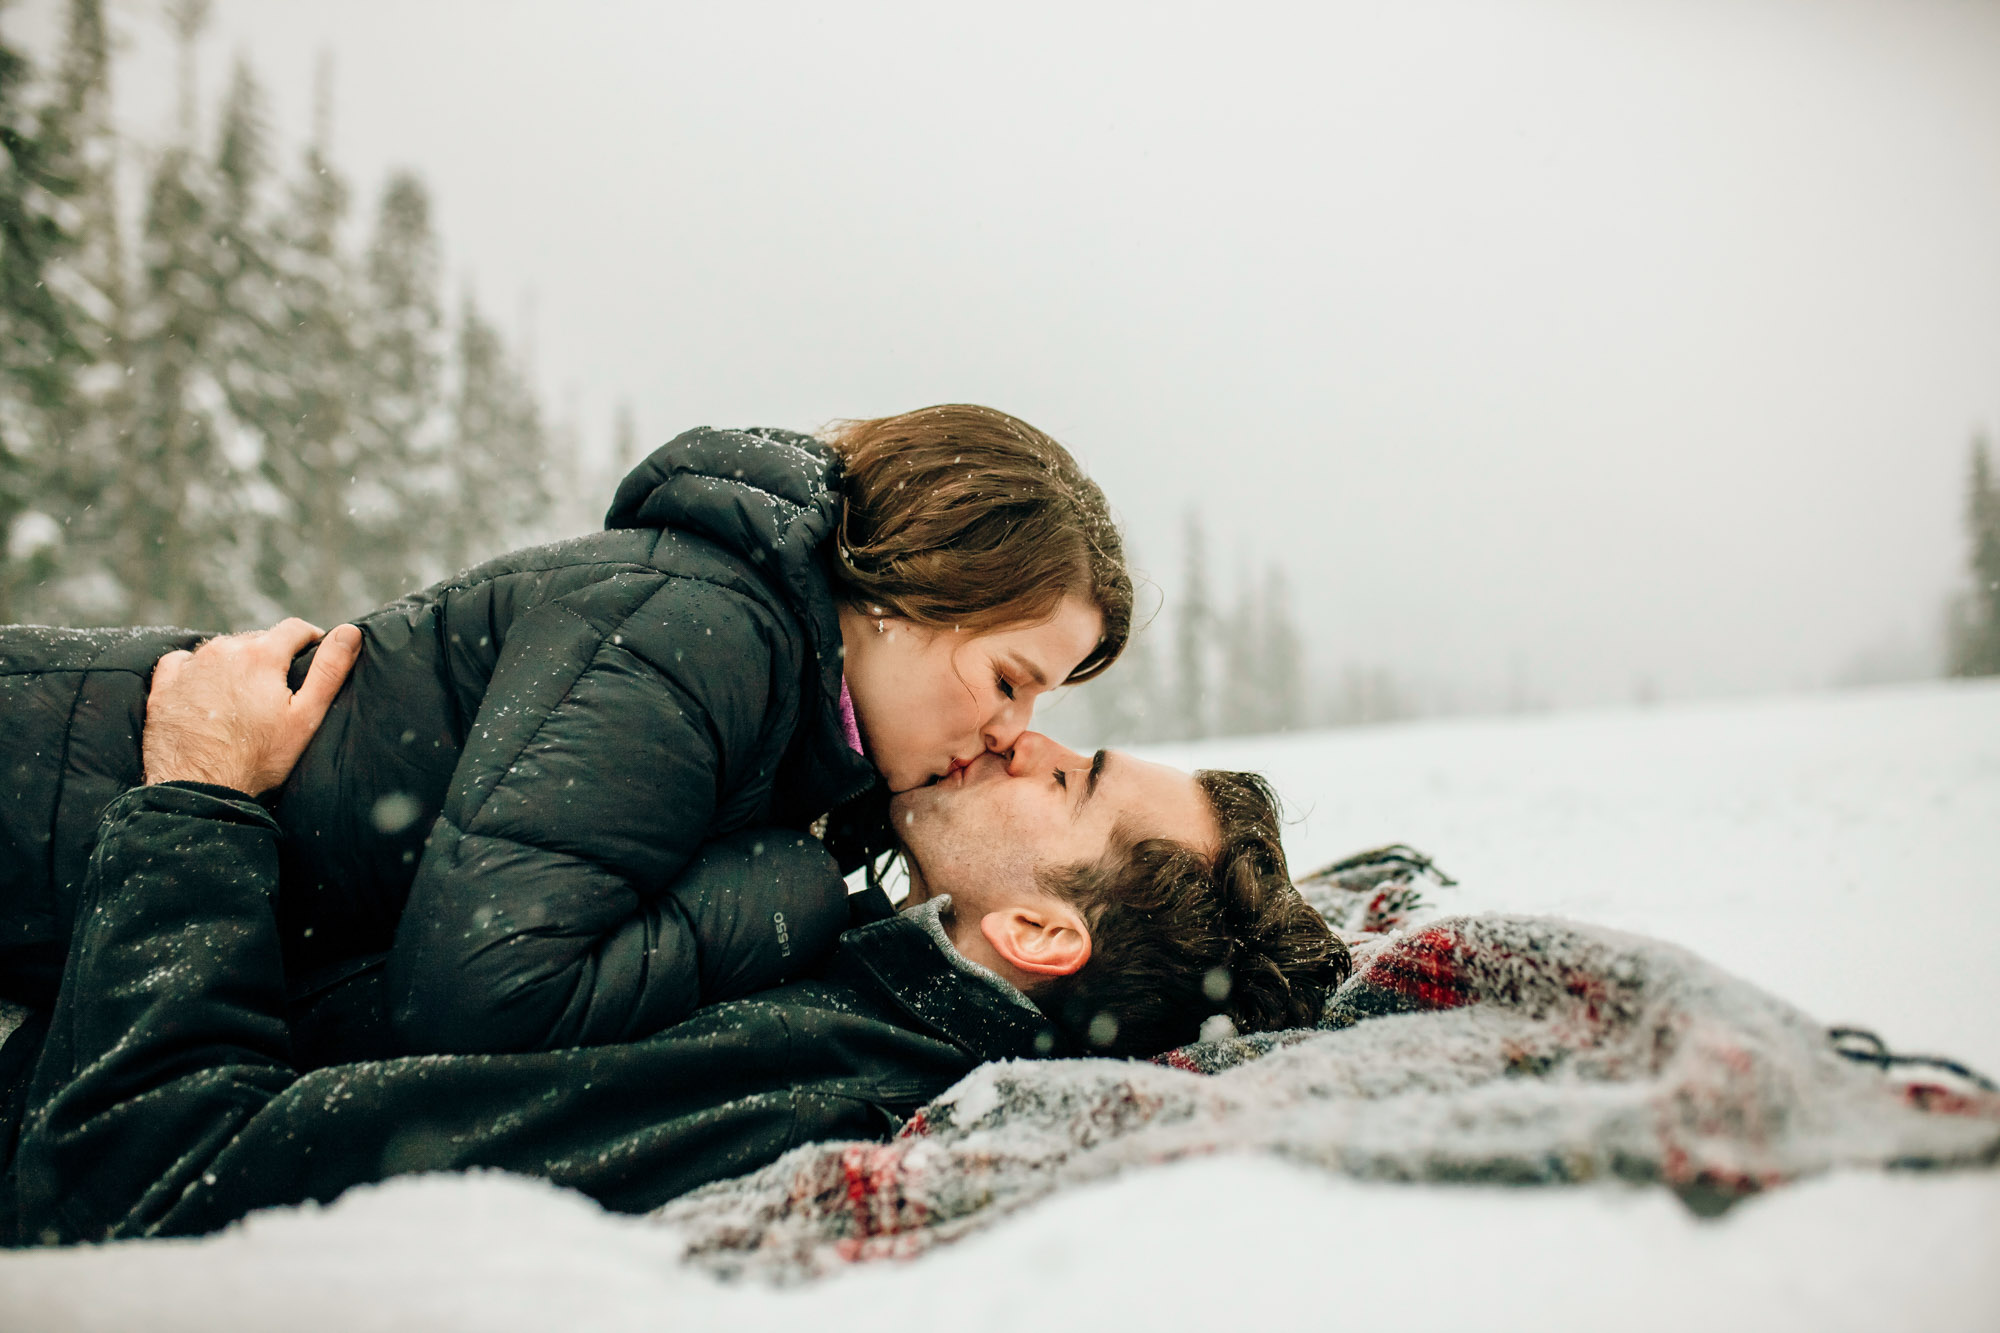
(586, 767)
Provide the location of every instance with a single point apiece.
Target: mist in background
(1502, 355)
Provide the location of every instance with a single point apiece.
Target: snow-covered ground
(1843, 850)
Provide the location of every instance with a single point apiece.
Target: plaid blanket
(1507, 1049)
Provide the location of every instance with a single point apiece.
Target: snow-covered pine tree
(1124, 705)
(1240, 695)
(173, 493)
(580, 487)
(249, 350)
(95, 417)
(311, 547)
(1194, 630)
(398, 415)
(591, 481)
(497, 455)
(38, 349)
(1281, 678)
(625, 451)
(1975, 628)
(522, 463)
(1262, 685)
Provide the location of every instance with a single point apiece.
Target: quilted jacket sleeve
(619, 731)
(165, 1100)
(168, 1034)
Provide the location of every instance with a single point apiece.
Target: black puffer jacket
(532, 754)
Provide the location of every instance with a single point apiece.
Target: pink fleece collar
(849, 727)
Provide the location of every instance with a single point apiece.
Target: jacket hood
(769, 497)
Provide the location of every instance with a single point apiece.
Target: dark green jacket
(532, 754)
(165, 1100)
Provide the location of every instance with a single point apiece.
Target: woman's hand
(225, 713)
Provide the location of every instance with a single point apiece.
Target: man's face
(982, 833)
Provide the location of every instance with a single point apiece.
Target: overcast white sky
(1590, 341)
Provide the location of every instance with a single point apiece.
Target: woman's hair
(962, 517)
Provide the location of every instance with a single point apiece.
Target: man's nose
(1036, 753)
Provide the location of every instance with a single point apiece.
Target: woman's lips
(955, 770)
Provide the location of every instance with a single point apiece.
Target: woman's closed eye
(1062, 779)
(1006, 686)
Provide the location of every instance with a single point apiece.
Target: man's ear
(1044, 939)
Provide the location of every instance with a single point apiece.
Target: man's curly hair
(1178, 937)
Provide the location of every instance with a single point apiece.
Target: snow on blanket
(1481, 1048)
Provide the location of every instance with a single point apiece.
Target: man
(1062, 905)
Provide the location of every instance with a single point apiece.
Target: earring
(880, 628)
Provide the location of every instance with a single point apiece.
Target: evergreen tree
(1975, 630)
(311, 548)
(234, 421)
(398, 414)
(1240, 696)
(247, 349)
(1369, 694)
(1194, 630)
(95, 418)
(245, 287)
(1281, 679)
(1124, 705)
(38, 348)
(581, 485)
(625, 452)
(1263, 669)
(79, 134)
(173, 492)
(497, 456)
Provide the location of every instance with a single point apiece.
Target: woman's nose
(1003, 730)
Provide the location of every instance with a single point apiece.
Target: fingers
(337, 654)
(166, 669)
(290, 636)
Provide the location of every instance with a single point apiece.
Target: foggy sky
(1575, 344)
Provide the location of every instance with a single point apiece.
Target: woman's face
(931, 701)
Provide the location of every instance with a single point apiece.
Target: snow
(1842, 850)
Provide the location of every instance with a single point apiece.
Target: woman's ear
(1044, 939)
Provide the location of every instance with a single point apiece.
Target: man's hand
(225, 714)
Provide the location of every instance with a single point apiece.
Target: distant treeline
(1205, 668)
(219, 415)
(1973, 636)
(1199, 669)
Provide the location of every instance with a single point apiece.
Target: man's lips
(986, 768)
(956, 774)
(955, 770)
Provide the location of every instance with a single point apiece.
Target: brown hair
(961, 516)
(1177, 936)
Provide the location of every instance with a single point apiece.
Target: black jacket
(532, 754)
(165, 1100)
